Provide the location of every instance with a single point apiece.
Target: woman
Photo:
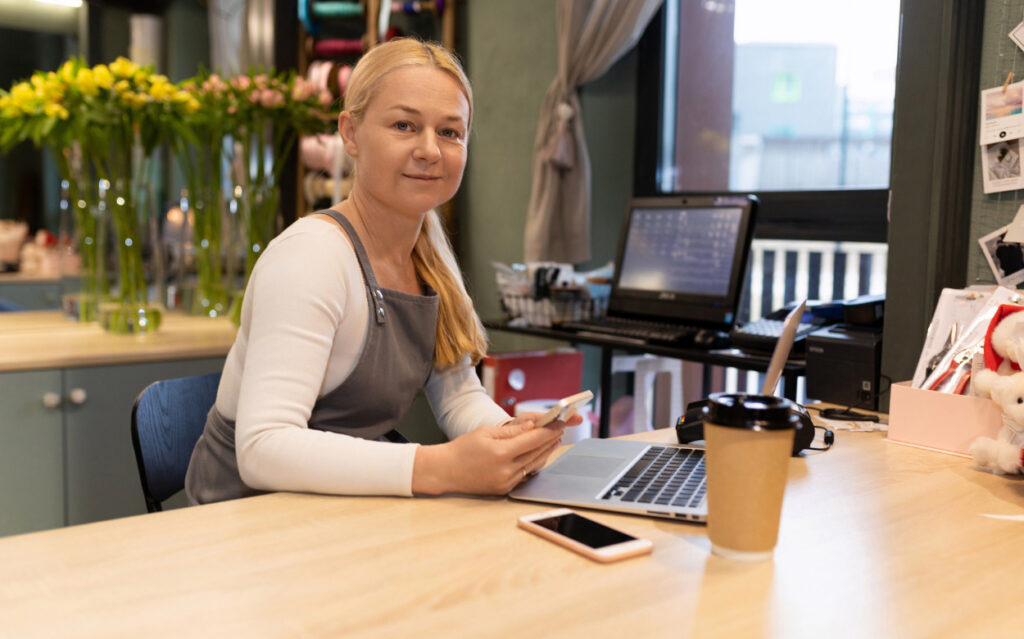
(350, 311)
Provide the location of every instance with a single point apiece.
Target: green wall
(511, 58)
(999, 56)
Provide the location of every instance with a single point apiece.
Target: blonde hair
(459, 330)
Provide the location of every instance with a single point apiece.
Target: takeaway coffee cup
(749, 441)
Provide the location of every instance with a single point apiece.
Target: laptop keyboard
(663, 475)
(635, 329)
(763, 334)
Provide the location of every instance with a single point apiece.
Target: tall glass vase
(131, 207)
(260, 204)
(80, 205)
(206, 204)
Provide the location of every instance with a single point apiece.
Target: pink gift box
(940, 421)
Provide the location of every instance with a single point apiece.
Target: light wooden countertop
(18, 277)
(48, 339)
(877, 540)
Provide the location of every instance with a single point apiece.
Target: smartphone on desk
(565, 408)
(585, 536)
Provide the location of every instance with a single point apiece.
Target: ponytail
(459, 331)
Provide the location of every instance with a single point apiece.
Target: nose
(427, 147)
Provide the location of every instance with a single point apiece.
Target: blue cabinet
(31, 452)
(66, 453)
(32, 295)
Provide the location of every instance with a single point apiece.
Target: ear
(347, 129)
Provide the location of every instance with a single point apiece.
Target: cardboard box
(940, 421)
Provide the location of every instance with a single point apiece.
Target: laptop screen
(682, 259)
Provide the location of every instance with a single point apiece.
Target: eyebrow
(412, 111)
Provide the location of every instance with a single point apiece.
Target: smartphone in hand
(565, 408)
(585, 536)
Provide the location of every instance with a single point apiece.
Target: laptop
(640, 478)
(679, 268)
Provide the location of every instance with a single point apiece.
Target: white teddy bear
(1005, 454)
(1004, 348)
(1001, 381)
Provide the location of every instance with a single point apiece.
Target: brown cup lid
(755, 412)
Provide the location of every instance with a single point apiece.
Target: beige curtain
(592, 36)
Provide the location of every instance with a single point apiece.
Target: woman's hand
(489, 460)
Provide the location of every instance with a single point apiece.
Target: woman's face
(410, 148)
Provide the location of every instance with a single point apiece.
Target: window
(791, 100)
(775, 95)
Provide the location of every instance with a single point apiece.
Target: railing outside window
(785, 270)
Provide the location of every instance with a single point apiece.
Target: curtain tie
(560, 151)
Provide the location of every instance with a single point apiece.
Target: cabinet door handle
(78, 396)
(51, 399)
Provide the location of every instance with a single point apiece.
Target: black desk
(730, 357)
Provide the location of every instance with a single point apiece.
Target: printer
(844, 360)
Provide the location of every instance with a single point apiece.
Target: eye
(402, 126)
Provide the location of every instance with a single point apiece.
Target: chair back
(167, 419)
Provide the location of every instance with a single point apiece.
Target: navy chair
(167, 419)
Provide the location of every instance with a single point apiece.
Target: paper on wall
(1006, 259)
(1002, 113)
(1001, 167)
(1017, 35)
(1015, 231)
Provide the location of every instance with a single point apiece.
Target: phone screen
(586, 531)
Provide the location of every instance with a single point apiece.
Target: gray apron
(396, 361)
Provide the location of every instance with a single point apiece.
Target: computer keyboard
(762, 334)
(635, 329)
(663, 475)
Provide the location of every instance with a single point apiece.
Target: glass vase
(258, 226)
(206, 208)
(130, 206)
(83, 270)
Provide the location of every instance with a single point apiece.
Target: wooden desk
(877, 540)
(732, 357)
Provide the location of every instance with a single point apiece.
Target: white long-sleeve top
(303, 327)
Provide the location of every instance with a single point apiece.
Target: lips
(424, 178)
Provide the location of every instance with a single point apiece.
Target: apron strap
(373, 290)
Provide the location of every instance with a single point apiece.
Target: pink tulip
(302, 90)
(272, 99)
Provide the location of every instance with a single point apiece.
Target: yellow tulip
(104, 78)
(56, 110)
(67, 71)
(85, 82)
(22, 96)
(122, 67)
(162, 90)
(122, 86)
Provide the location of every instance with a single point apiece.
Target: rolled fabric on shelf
(418, 6)
(325, 153)
(337, 9)
(338, 47)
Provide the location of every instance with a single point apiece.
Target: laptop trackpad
(585, 466)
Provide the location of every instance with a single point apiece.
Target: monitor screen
(682, 250)
(682, 259)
